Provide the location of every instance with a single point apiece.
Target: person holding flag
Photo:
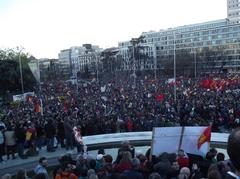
(78, 139)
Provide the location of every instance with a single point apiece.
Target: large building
(233, 11)
(78, 58)
(211, 46)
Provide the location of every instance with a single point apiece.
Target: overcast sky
(44, 27)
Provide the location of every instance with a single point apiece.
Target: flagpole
(181, 138)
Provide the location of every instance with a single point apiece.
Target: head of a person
(135, 163)
(21, 174)
(125, 143)
(40, 176)
(213, 172)
(220, 157)
(43, 161)
(213, 151)
(99, 157)
(155, 175)
(184, 173)
(126, 157)
(181, 153)
(107, 158)
(209, 156)
(233, 148)
(91, 172)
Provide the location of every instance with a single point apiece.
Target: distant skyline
(44, 27)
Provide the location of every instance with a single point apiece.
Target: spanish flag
(204, 137)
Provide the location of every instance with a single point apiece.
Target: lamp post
(96, 63)
(21, 75)
(195, 64)
(134, 67)
(155, 61)
(174, 67)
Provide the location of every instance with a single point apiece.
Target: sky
(44, 27)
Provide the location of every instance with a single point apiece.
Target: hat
(99, 157)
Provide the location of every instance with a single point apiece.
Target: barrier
(94, 142)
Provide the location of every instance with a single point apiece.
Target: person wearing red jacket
(182, 159)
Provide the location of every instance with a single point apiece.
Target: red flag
(37, 107)
(206, 83)
(205, 137)
(160, 97)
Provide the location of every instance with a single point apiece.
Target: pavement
(11, 166)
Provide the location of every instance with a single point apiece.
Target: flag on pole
(205, 137)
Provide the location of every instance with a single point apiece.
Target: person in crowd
(2, 129)
(66, 172)
(30, 141)
(78, 139)
(68, 127)
(124, 163)
(184, 173)
(154, 175)
(133, 172)
(40, 138)
(126, 147)
(21, 174)
(50, 131)
(220, 157)
(60, 132)
(40, 176)
(20, 132)
(182, 159)
(42, 167)
(233, 149)
(10, 142)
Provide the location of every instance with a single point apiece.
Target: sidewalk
(12, 165)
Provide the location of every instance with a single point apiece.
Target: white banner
(22, 97)
(193, 140)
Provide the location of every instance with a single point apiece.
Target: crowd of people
(62, 113)
(130, 164)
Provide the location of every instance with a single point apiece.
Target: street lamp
(155, 61)
(195, 64)
(96, 63)
(20, 67)
(174, 66)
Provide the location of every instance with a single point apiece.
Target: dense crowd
(114, 106)
(132, 165)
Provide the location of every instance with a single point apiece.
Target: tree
(139, 58)
(10, 71)
(110, 62)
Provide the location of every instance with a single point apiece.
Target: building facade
(65, 64)
(78, 59)
(233, 10)
(210, 46)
